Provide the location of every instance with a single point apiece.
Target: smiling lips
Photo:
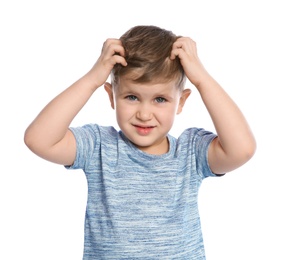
(143, 130)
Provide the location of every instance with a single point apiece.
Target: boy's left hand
(185, 49)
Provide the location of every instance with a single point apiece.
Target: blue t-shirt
(142, 206)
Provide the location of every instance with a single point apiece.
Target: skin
(146, 112)
(49, 137)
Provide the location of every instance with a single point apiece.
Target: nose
(144, 113)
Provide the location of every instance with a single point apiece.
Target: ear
(109, 89)
(184, 95)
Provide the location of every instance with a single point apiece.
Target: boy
(143, 183)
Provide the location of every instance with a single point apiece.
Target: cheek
(167, 115)
(173, 109)
(123, 112)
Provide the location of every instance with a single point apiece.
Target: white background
(46, 45)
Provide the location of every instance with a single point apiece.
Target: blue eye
(160, 100)
(131, 98)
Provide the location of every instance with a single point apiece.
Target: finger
(178, 52)
(113, 46)
(117, 59)
(185, 43)
(177, 45)
(174, 53)
(181, 46)
(111, 41)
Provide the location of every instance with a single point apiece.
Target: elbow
(251, 149)
(28, 140)
(34, 142)
(247, 152)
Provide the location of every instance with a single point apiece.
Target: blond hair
(148, 51)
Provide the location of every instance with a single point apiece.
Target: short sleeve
(202, 142)
(87, 139)
(195, 142)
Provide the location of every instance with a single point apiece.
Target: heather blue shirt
(142, 206)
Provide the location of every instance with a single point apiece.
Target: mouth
(143, 130)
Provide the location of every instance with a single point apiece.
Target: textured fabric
(142, 206)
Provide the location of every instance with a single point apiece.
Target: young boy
(142, 182)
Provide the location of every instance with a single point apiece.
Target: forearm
(52, 123)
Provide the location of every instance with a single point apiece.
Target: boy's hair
(147, 52)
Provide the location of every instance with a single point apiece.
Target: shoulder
(193, 145)
(194, 134)
(195, 141)
(94, 131)
(92, 141)
(91, 137)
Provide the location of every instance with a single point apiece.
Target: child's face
(146, 112)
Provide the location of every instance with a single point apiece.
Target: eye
(131, 98)
(160, 100)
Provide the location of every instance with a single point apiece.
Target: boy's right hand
(112, 53)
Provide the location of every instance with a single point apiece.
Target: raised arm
(48, 135)
(235, 143)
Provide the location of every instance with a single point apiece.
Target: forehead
(128, 84)
(129, 81)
